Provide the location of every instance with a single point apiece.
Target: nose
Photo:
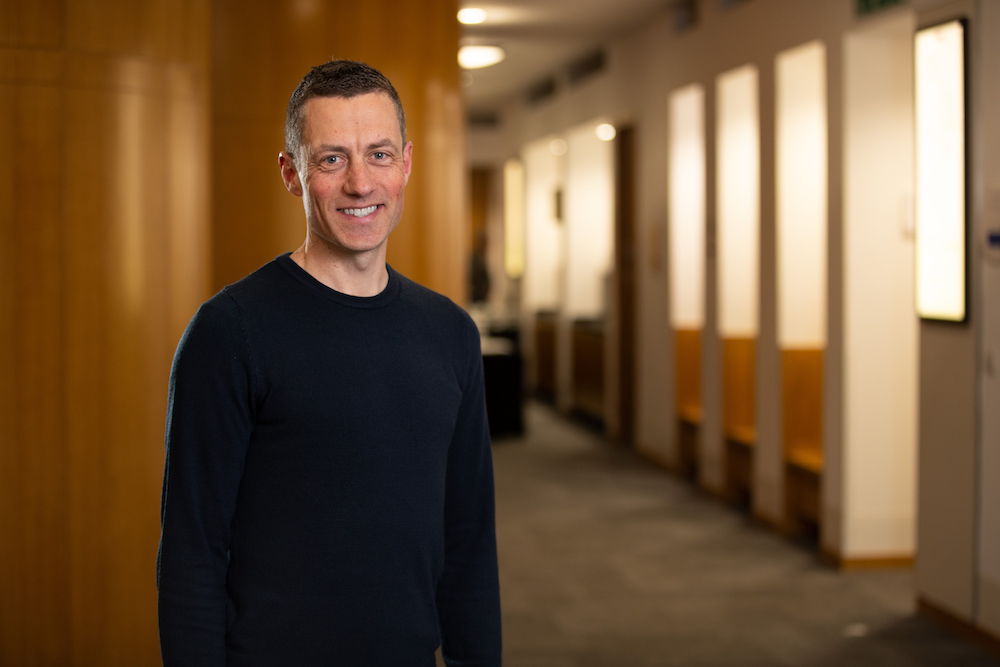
(359, 181)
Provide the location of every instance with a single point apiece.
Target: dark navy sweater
(328, 492)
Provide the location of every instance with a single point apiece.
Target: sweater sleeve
(210, 415)
(469, 590)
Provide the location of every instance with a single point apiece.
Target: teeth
(359, 212)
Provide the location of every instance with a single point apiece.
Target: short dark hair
(336, 78)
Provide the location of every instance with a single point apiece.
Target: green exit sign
(863, 7)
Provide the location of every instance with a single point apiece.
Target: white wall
(879, 325)
(801, 161)
(589, 213)
(738, 201)
(948, 422)
(544, 260)
(988, 80)
(686, 206)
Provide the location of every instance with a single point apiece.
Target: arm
(210, 415)
(469, 590)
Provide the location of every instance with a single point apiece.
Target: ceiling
(541, 37)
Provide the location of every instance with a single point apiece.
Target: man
(328, 493)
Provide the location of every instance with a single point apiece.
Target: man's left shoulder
(436, 307)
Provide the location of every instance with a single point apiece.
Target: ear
(289, 174)
(407, 160)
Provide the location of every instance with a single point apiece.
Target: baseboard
(767, 522)
(712, 491)
(959, 626)
(657, 458)
(888, 562)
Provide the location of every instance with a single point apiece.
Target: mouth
(360, 212)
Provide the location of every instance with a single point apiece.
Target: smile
(360, 212)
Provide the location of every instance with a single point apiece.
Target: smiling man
(328, 492)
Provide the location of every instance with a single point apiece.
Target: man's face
(350, 171)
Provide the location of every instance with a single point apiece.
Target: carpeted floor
(607, 561)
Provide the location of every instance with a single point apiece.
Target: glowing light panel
(477, 57)
(513, 218)
(801, 156)
(940, 171)
(738, 201)
(686, 206)
(471, 15)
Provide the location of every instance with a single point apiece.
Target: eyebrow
(384, 143)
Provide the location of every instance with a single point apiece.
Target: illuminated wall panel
(801, 180)
(513, 218)
(686, 206)
(738, 201)
(543, 231)
(589, 220)
(940, 188)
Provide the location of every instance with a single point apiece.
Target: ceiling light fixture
(471, 15)
(475, 57)
(605, 132)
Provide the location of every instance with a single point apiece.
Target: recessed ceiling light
(605, 132)
(471, 15)
(474, 57)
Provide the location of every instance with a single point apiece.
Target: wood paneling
(802, 406)
(738, 404)
(34, 556)
(588, 367)
(260, 51)
(688, 378)
(738, 384)
(103, 253)
(802, 428)
(625, 272)
(688, 354)
(545, 355)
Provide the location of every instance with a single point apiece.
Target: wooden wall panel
(802, 405)
(31, 25)
(688, 345)
(104, 258)
(738, 383)
(34, 558)
(260, 51)
(588, 367)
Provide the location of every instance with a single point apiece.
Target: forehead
(364, 117)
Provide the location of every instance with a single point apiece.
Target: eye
(331, 159)
(378, 155)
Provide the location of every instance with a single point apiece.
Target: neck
(356, 274)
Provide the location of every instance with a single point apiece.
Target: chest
(364, 384)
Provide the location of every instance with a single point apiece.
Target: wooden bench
(802, 429)
(687, 346)
(738, 403)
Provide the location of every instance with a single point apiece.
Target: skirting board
(958, 625)
(888, 562)
(657, 458)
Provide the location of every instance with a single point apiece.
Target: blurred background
(753, 244)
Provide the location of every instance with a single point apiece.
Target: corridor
(605, 560)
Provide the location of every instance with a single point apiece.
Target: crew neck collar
(383, 298)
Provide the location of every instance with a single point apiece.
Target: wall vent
(542, 90)
(586, 66)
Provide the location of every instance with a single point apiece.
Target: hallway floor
(605, 560)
